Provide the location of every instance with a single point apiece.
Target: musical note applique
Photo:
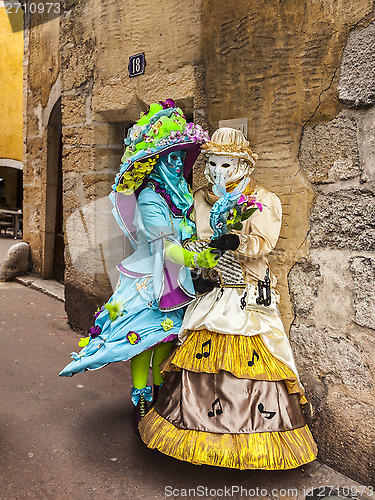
(252, 361)
(267, 414)
(219, 411)
(243, 301)
(204, 353)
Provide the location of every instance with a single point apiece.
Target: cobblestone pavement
(71, 438)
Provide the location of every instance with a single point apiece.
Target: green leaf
(248, 213)
(237, 227)
(84, 341)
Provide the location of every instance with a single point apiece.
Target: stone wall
(333, 288)
(41, 92)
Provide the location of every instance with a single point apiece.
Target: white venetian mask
(226, 169)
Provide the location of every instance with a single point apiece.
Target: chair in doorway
(6, 223)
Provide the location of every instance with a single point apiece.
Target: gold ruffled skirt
(226, 401)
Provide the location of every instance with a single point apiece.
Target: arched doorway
(54, 263)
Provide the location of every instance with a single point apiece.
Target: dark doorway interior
(54, 263)
(58, 257)
(10, 187)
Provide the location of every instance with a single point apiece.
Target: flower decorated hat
(159, 131)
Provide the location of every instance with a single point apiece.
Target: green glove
(179, 255)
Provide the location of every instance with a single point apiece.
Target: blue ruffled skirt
(138, 325)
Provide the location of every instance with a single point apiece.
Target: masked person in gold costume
(231, 395)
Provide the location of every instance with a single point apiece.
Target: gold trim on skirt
(245, 357)
(265, 450)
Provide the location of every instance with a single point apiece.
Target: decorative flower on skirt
(113, 309)
(133, 338)
(95, 331)
(167, 324)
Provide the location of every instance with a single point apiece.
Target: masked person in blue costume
(153, 206)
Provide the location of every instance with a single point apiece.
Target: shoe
(139, 412)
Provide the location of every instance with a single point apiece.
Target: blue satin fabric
(136, 394)
(141, 284)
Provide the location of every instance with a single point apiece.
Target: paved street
(71, 438)
(5, 244)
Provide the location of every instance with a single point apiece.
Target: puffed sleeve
(173, 286)
(260, 233)
(153, 217)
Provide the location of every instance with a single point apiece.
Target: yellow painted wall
(11, 101)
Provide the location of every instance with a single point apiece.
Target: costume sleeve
(153, 217)
(264, 229)
(173, 286)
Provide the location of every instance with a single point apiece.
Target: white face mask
(226, 169)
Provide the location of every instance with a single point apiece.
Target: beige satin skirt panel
(222, 403)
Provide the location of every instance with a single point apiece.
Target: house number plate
(137, 64)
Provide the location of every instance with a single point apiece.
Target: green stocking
(161, 351)
(140, 365)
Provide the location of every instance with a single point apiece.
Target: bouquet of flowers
(244, 209)
(231, 209)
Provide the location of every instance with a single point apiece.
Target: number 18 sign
(137, 64)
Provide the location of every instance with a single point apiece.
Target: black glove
(229, 241)
(201, 285)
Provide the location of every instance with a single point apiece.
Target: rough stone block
(331, 357)
(357, 76)
(16, 261)
(77, 61)
(329, 151)
(96, 134)
(97, 185)
(81, 304)
(36, 194)
(107, 133)
(72, 187)
(366, 142)
(73, 109)
(363, 271)
(108, 158)
(304, 279)
(333, 305)
(343, 427)
(78, 135)
(31, 218)
(32, 125)
(344, 220)
(77, 159)
(44, 59)
(34, 147)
